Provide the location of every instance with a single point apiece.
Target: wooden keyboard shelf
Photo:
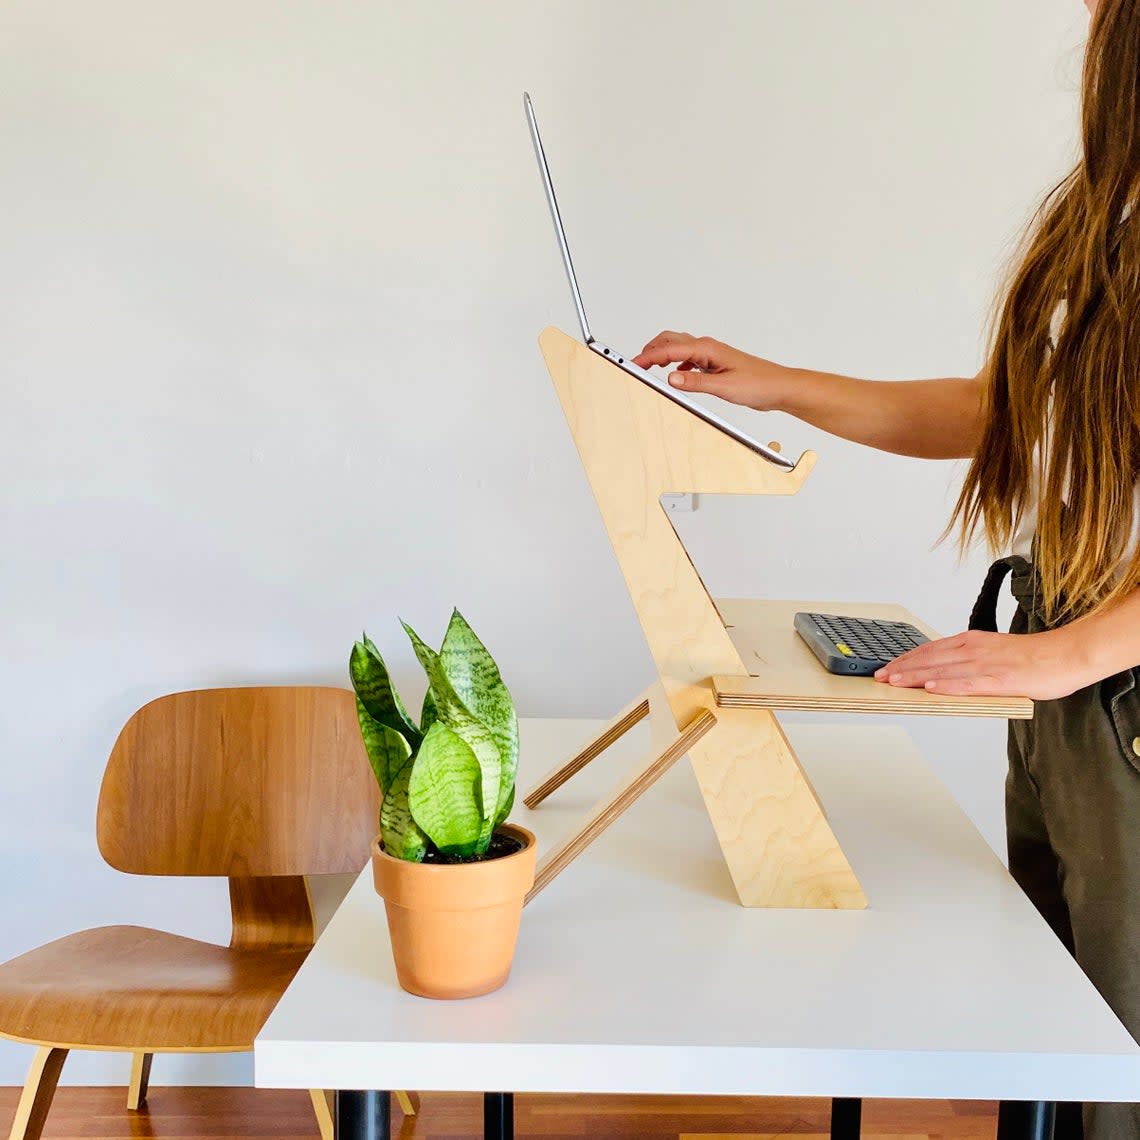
(783, 673)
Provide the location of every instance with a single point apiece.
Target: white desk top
(637, 971)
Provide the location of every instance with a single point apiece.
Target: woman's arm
(928, 419)
(1043, 666)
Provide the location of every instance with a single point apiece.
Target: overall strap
(984, 615)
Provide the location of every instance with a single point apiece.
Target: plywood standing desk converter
(637, 973)
(722, 668)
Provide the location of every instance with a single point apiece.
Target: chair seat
(132, 988)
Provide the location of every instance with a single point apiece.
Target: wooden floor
(251, 1114)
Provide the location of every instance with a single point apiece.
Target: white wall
(271, 279)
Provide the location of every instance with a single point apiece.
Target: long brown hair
(1063, 419)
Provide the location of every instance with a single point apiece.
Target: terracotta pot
(454, 926)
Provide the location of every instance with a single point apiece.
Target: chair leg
(140, 1080)
(323, 1108)
(409, 1102)
(39, 1089)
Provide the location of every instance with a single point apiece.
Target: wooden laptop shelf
(721, 672)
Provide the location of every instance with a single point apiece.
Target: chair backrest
(240, 782)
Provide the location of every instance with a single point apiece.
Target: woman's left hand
(1041, 666)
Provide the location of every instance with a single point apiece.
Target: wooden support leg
(323, 1110)
(776, 840)
(409, 1102)
(39, 1089)
(632, 714)
(140, 1080)
(628, 792)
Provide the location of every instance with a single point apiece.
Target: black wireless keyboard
(856, 647)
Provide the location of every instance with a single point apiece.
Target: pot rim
(524, 833)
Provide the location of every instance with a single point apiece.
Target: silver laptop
(620, 358)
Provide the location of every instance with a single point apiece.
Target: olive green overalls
(1073, 831)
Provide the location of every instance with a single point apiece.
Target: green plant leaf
(457, 716)
(374, 688)
(505, 809)
(400, 833)
(387, 750)
(429, 714)
(443, 792)
(477, 682)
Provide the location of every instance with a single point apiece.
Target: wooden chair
(261, 785)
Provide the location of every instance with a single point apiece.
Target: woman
(1053, 428)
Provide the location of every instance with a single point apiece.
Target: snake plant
(447, 780)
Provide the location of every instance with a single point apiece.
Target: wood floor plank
(269, 1114)
(804, 1134)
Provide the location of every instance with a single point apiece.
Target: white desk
(637, 971)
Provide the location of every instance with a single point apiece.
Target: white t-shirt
(1023, 536)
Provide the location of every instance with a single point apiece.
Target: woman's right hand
(927, 419)
(706, 365)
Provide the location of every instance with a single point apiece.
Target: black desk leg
(846, 1118)
(1026, 1120)
(362, 1115)
(499, 1116)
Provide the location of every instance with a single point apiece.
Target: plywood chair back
(262, 785)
